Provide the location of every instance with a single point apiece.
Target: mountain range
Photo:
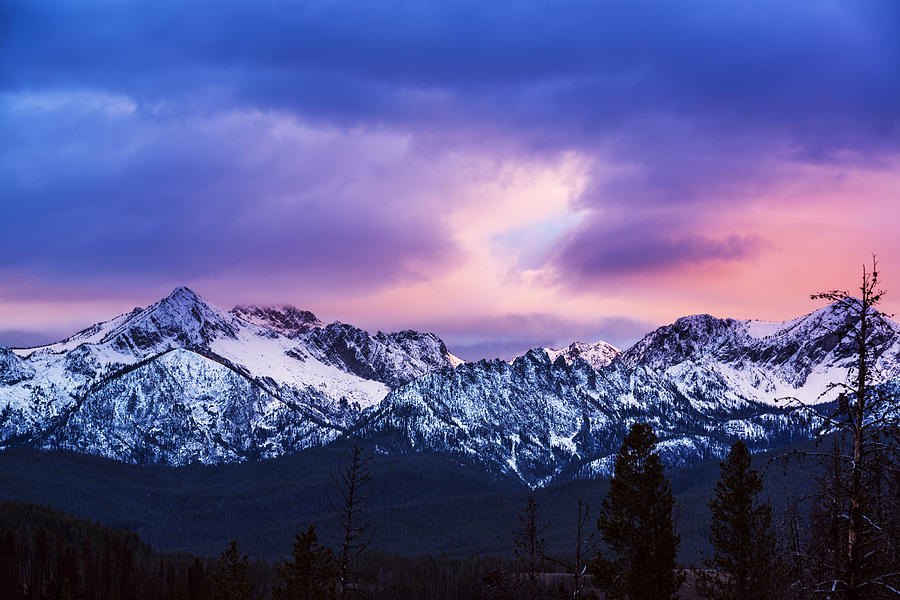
(183, 381)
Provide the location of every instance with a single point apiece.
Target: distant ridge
(702, 383)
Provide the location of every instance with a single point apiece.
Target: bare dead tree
(584, 547)
(353, 482)
(864, 421)
(576, 564)
(791, 530)
(530, 549)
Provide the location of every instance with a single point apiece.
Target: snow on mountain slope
(183, 381)
(184, 408)
(12, 368)
(391, 358)
(90, 335)
(72, 376)
(701, 382)
(764, 362)
(541, 420)
(598, 355)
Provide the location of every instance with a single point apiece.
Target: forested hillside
(422, 504)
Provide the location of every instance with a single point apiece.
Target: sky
(507, 174)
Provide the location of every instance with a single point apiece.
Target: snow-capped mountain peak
(185, 381)
(393, 358)
(598, 354)
(767, 362)
(139, 372)
(182, 319)
(701, 381)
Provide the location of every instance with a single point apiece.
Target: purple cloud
(564, 74)
(182, 167)
(603, 248)
(238, 195)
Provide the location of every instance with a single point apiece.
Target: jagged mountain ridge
(183, 381)
(391, 358)
(542, 420)
(178, 382)
(766, 361)
(701, 382)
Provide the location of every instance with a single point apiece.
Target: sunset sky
(506, 174)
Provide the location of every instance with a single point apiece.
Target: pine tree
(311, 572)
(230, 580)
(497, 584)
(741, 567)
(636, 524)
(197, 585)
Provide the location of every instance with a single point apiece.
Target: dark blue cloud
(257, 198)
(819, 73)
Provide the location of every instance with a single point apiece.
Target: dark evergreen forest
(74, 526)
(421, 504)
(154, 532)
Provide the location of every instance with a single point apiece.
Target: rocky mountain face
(183, 381)
(701, 382)
(762, 361)
(394, 359)
(12, 368)
(598, 354)
(542, 420)
(285, 319)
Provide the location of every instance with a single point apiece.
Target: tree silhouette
(230, 580)
(497, 583)
(741, 567)
(10, 581)
(353, 482)
(311, 572)
(529, 548)
(576, 563)
(636, 524)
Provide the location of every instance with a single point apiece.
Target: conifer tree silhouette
(636, 524)
(310, 574)
(230, 580)
(741, 566)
